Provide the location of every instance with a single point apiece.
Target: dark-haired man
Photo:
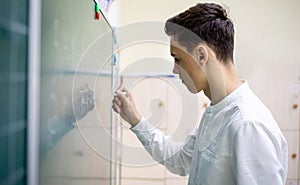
(238, 140)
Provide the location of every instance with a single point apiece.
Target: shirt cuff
(142, 126)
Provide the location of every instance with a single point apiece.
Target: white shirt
(237, 142)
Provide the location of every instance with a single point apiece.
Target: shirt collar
(229, 99)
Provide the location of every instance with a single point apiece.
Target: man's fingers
(121, 89)
(122, 92)
(116, 108)
(117, 101)
(116, 105)
(121, 95)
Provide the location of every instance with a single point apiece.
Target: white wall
(137, 11)
(266, 31)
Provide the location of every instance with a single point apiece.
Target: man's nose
(176, 69)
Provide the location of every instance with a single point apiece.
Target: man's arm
(258, 155)
(176, 156)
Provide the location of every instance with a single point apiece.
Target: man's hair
(207, 22)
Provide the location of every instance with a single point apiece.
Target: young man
(238, 140)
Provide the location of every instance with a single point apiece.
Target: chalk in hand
(121, 93)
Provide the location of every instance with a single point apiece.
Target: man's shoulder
(249, 109)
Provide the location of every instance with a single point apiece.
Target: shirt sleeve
(176, 156)
(258, 156)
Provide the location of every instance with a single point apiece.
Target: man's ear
(202, 54)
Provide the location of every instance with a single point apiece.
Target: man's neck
(224, 81)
